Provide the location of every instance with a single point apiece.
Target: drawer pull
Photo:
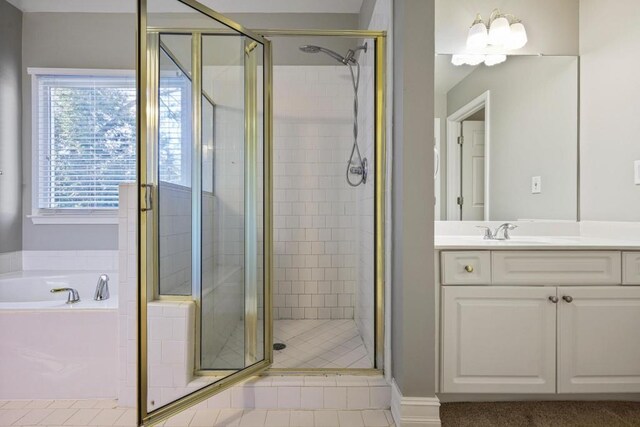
(468, 268)
(553, 299)
(567, 298)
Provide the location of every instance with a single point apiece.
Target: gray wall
(610, 106)
(534, 132)
(10, 128)
(552, 25)
(87, 40)
(70, 40)
(413, 296)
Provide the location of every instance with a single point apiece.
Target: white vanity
(538, 315)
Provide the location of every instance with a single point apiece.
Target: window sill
(72, 219)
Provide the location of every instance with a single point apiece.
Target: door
(472, 170)
(498, 339)
(598, 339)
(204, 138)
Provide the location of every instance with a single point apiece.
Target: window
(85, 137)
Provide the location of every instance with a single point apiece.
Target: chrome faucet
(73, 296)
(102, 288)
(504, 228)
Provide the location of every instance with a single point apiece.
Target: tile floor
(107, 413)
(320, 344)
(310, 344)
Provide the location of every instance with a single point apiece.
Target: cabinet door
(498, 339)
(599, 340)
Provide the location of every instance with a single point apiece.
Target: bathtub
(53, 350)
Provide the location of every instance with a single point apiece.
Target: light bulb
(499, 32)
(518, 37)
(472, 60)
(492, 60)
(478, 36)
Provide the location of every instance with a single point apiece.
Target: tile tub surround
(314, 208)
(10, 262)
(70, 260)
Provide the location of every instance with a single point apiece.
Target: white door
(498, 339)
(472, 171)
(599, 339)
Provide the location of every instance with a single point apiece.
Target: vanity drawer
(631, 268)
(466, 268)
(556, 267)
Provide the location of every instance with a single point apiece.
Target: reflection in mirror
(506, 139)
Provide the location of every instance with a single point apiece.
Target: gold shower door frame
(147, 236)
(148, 215)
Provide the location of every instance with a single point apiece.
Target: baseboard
(414, 411)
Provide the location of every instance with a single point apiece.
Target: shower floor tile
(320, 344)
(327, 344)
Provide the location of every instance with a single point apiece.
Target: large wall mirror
(506, 139)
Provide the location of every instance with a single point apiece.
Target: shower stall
(261, 203)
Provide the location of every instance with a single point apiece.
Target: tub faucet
(102, 288)
(73, 296)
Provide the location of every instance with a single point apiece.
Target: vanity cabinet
(537, 336)
(498, 340)
(599, 339)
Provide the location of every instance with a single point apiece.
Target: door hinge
(460, 201)
(460, 140)
(146, 197)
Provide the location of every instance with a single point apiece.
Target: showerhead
(315, 49)
(308, 48)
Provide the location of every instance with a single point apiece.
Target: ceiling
(224, 6)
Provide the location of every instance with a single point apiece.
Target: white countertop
(454, 242)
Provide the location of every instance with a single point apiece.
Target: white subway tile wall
(365, 204)
(175, 239)
(314, 208)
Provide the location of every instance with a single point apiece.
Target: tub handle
(73, 296)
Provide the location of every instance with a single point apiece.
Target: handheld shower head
(308, 48)
(315, 49)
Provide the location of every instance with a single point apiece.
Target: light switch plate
(536, 185)
(636, 169)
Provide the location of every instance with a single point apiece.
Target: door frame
(147, 265)
(454, 153)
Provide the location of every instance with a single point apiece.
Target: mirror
(506, 139)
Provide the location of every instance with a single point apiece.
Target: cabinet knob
(553, 299)
(567, 298)
(468, 268)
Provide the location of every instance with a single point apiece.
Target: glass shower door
(204, 222)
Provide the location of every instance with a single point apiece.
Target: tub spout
(73, 296)
(102, 288)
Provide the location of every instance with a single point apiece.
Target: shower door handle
(146, 199)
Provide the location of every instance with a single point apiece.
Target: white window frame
(62, 216)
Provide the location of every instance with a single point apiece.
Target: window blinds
(86, 129)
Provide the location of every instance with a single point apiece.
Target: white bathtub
(53, 350)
